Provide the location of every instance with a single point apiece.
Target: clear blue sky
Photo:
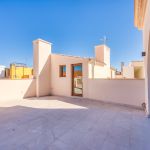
(73, 26)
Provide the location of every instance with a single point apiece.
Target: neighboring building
(135, 70)
(118, 75)
(113, 72)
(7, 73)
(142, 22)
(2, 71)
(20, 71)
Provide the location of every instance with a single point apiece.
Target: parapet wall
(125, 91)
(128, 92)
(16, 89)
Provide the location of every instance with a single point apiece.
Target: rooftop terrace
(60, 123)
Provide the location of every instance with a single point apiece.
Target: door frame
(72, 79)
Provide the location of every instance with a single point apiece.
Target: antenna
(104, 40)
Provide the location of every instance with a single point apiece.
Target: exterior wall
(42, 63)
(135, 70)
(138, 69)
(119, 76)
(97, 71)
(2, 71)
(137, 63)
(63, 85)
(146, 43)
(99, 53)
(113, 74)
(101, 72)
(107, 56)
(128, 72)
(102, 54)
(139, 12)
(139, 73)
(91, 70)
(20, 72)
(129, 92)
(16, 89)
(47, 80)
(7, 71)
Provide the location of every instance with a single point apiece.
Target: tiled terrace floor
(57, 123)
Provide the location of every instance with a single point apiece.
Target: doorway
(77, 84)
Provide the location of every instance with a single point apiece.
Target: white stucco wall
(129, 92)
(139, 73)
(102, 54)
(146, 44)
(107, 56)
(47, 80)
(102, 72)
(16, 89)
(98, 71)
(41, 63)
(99, 53)
(113, 74)
(2, 71)
(63, 85)
(146, 28)
(138, 69)
(128, 72)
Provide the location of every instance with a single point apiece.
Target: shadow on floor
(59, 123)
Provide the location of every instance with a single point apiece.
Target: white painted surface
(135, 70)
(42, 50)
(16, 89)
(102, 72)
(113, 74)
(130, 92)
(2, 71)
(96, 70)
(102, 54)
(63, 85)
(128, 72)
(146, 43)
(47, 80)
(117, 91)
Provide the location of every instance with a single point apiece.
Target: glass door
(77, 85)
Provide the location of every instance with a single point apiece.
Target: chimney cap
(41, 40)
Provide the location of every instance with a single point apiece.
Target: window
(62, 70)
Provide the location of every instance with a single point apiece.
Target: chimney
(41, 66)
(102, 54)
